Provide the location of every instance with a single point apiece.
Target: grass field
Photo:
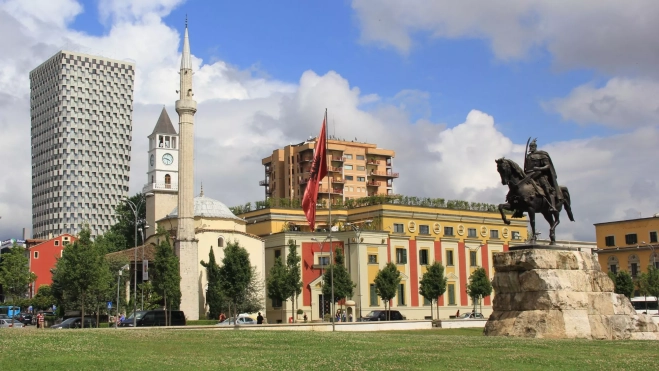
(157, 349)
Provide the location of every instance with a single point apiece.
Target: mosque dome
(208, 208)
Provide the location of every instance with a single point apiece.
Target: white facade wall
(81, 124)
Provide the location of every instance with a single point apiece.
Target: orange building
(43, 257)
(355, 170)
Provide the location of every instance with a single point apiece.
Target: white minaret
(162, 176)
(186, 243)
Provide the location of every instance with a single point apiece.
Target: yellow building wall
(623, 254)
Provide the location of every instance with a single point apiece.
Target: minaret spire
(186, 59)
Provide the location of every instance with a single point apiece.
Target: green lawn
(157, 349)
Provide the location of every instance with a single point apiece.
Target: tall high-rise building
(81, 121)
(354, 170)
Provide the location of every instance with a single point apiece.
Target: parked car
(154, 318)
(381, 315)
(75, 322)
(26, 318)
(241, 321)
(472, 316)
(11, 323)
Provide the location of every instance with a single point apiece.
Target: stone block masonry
(553, 293)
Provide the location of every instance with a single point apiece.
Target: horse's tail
(567, 202)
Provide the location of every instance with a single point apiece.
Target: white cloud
(621, 103)
(611, 35)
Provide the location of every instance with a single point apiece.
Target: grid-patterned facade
(81, 124)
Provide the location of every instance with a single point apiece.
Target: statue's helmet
(533, 145)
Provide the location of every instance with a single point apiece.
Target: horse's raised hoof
(507, 222)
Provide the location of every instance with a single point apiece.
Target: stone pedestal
(560, 293)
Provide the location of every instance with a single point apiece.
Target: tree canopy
(123, 231)
(239, 279)
(166, 277)
(276, 282)
(15, 275)
(343, 285)
(386, 283)
(623, 283)
(293, 275)
(433, 284)
(479, 285)
(214, 296)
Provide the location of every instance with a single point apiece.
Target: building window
(401, 294)
(398, 228)
(426, 302)
(361, 168)
(494, 233)
(449, 257)
(373, 296)
(36, 255)
(277, 253)
(653, 236)
(515, 235)
(473, 259)
(348, 157)
(347, 167)
(349, 177)
(471, 232)
(56, 243)
(448, 231)
(610, 241)
(220, 242)
(613, 268)
(451, 294)
(372, 259)
(276, 303)
(423, 257)
(168, 181)
(424, 229)
(323, 260)
(401, 256)
(360, 157)
(634, 267)
(361, 179)
(630, 239)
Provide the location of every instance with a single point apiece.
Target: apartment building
(81, 110)
(354, 170)
(628, 245)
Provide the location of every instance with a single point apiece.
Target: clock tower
(162, 174)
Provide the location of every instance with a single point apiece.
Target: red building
(43, 257)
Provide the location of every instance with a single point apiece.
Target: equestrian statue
(533, 190)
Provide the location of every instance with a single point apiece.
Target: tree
(214, 297)
(166, 277)
(44, 298)
(111, 241)
(80, 273)
(343, 285)
(386, 283)
(479, 285)
(276, 283)
(293, 276)
(433, 284)
(15, 275)
(125, 225)
(623, 283)
(236, 274)
(653, 282)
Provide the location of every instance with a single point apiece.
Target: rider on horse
(539, 166)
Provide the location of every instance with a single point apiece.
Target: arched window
(634, 264)
(613, 264)
(168, 181)
(220, 241)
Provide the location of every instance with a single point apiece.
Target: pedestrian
(259, 319)
(350, 317)
(222, 317)
(40, 321)
(305, 318)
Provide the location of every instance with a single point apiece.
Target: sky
(450, 86)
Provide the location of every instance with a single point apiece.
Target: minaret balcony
(149, 187)
(186, 105)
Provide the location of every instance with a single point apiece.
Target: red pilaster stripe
(505, 248)
(438, 257)
(308, 273)
(414, 274)
(389, 250)
(485, 259)
(462, 263)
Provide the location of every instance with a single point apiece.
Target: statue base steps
(560, 293)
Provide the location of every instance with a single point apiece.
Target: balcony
(338, 159)
(338, 180)
(268, 169)
(263, 183)
(333, 169)
(306, 158)
(371, 161)
(303, 181)
(384, 174)
(335, 191)
(373, 183)
(160, 186)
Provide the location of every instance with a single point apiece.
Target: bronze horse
(524, 197)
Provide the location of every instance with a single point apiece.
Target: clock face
(167, 159)
(152, 160)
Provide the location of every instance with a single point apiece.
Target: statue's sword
(526, 151)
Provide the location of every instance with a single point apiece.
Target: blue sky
(450, 86)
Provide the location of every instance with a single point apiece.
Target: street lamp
(143, 233)
(322, 294)
(121, 272)
(358, 231)
(136, 212)
(654, 264)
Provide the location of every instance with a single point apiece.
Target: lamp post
(322, 294)
(358, 231)
(136, 211)
(121, 272)
(654, 264)
(143, 233)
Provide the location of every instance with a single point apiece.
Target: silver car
(11, 323)
(241, 321)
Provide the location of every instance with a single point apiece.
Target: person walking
(40, 320)
(259, 319)
(222, 317)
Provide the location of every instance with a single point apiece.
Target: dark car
(154, 318)
(25, 318)
(381, 315)
(75, 322)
